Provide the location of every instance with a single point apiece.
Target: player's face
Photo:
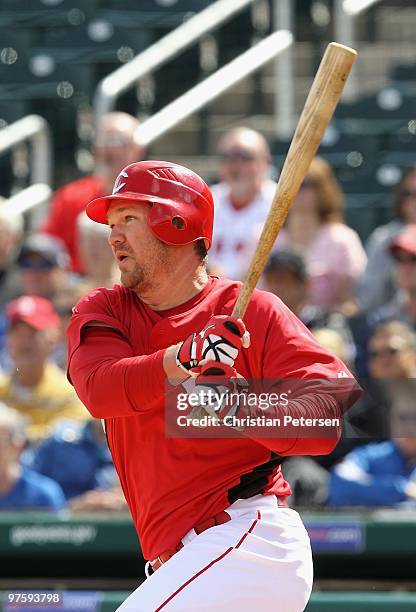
(140, 256)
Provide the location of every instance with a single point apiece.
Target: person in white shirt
(242, 200)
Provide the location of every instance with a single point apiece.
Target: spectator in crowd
(377, 286)
(42, 265)
(334, 255)
(382, 473)
(36, 387)
(390, 354)
(392, 351)
(76, 456)
(11, 231)
(21, 487)
(392, 361)
(308, 476)
(403, 305)
(95, 255)
(114, 148)
(242, 200)
(286, 276)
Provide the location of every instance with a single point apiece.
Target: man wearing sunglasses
(42, 264)
(242, 200)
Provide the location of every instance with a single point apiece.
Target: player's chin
(131, 280)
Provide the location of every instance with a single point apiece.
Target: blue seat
(39, 77)
(12, 112)
(42, 13)
(166, 6)
(96, 41)
(382, 113)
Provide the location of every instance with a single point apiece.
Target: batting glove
(217, 345)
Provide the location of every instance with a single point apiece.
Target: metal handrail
(203, 93)
(25, 200)
(162, 51)
(355, 7)
(35, 129)
(32, 201)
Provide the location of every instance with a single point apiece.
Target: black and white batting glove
(216, 345)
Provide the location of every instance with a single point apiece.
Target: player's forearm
(121, 387)
(111, 384)
(304, 439)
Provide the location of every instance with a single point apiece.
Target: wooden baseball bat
(319, 107)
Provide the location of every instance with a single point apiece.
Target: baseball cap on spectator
(33, 310)
(40, 251)
(287, 260)
(405, 241)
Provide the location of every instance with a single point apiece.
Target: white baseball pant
(260, 560)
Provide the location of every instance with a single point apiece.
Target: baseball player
(210, 513)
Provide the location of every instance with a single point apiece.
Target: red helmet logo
(119, 182)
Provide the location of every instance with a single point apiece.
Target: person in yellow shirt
(36, 387)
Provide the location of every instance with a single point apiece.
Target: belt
(217, 519)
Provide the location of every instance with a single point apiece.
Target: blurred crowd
(358, 300)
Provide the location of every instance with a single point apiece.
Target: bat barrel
(319, 107)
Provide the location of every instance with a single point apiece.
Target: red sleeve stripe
(204, 569)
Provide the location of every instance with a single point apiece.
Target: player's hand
(219, 395)
(215, 346)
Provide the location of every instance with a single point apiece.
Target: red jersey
(172, 484)
(67, 204)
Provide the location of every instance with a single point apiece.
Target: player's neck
(179, 290)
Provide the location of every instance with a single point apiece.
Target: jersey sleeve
(108, 377)
(319, 384)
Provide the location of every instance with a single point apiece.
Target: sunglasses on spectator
(408, 193)
(237, 155)
(388, 351)
(35, 264)
(404, 257)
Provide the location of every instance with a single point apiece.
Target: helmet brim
(97, 209)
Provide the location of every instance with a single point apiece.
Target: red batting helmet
(182, 209)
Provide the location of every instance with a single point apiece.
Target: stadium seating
(45, 13)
